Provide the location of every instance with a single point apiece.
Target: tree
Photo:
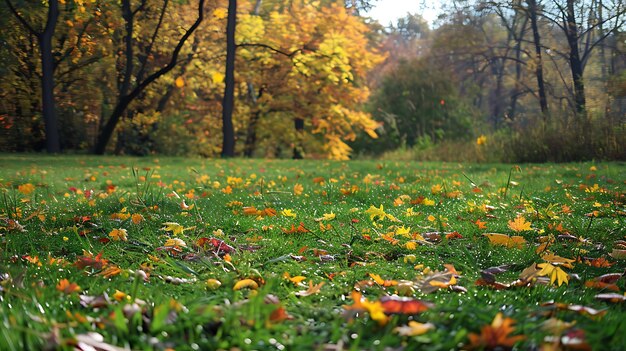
(44, 38)
(133, 82)
(532, 15)
(579, 22)
(420, 103)
(228, 132)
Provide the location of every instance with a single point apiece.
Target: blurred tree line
(537, 80)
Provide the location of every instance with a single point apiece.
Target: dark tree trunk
(228, 102)
(298, 148)
(515, 93)
(53, 143)
(251, 136)
(44, 39)
(543, 99)
(576, 64)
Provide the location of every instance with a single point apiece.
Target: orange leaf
(519, 224)
(66, 287)
(403, 305)
(495, 335)
(382, 282)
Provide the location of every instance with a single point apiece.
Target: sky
(386, 11)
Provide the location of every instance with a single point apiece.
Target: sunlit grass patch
(183, 253)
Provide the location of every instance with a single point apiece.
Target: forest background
(512, 81)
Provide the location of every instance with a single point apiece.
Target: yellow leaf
(180, 82)
(554, 272)
(288, 213)
(173, 227)
(119, 235)
(519, 224)
(246, 284)
(312, 290)
(558, 260)
(376, 212)
(220, 13)
(217, 77)
(119, 295)
(505, 240)
(295, 280)
(174, 242)
(414, 328)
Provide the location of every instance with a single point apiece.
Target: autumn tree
(310, 62)
(134, 79)
(44, 39)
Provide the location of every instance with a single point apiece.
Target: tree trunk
(543, 100)
(53, 143)
(228, 102)
(298, 147)
(575, 62)
(515, 93)
(44, 39)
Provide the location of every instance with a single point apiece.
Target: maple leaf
(88, 260)
(375, 308)
(519, 224)
(376, 212)
(495, 335)
(173, 227)
(288, 213)
(413, 328)
(554, 272)
(312, 290)
(119, 235)
(137, 218)
(480, 224)
(505, 240)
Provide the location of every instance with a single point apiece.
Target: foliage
(418, 105)
(144, 253)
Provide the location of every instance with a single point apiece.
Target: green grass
(76, 202)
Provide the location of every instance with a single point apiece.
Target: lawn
(171, 253)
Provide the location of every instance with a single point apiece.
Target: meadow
(114, 253)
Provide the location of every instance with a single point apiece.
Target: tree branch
(21, 19)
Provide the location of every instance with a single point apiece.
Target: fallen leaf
(496, 335)
(505, 240)
(312, 290)
(403, 305)
(413, 328)
(246, 284)
(519, 224)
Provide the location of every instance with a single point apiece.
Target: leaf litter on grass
(219, 254)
